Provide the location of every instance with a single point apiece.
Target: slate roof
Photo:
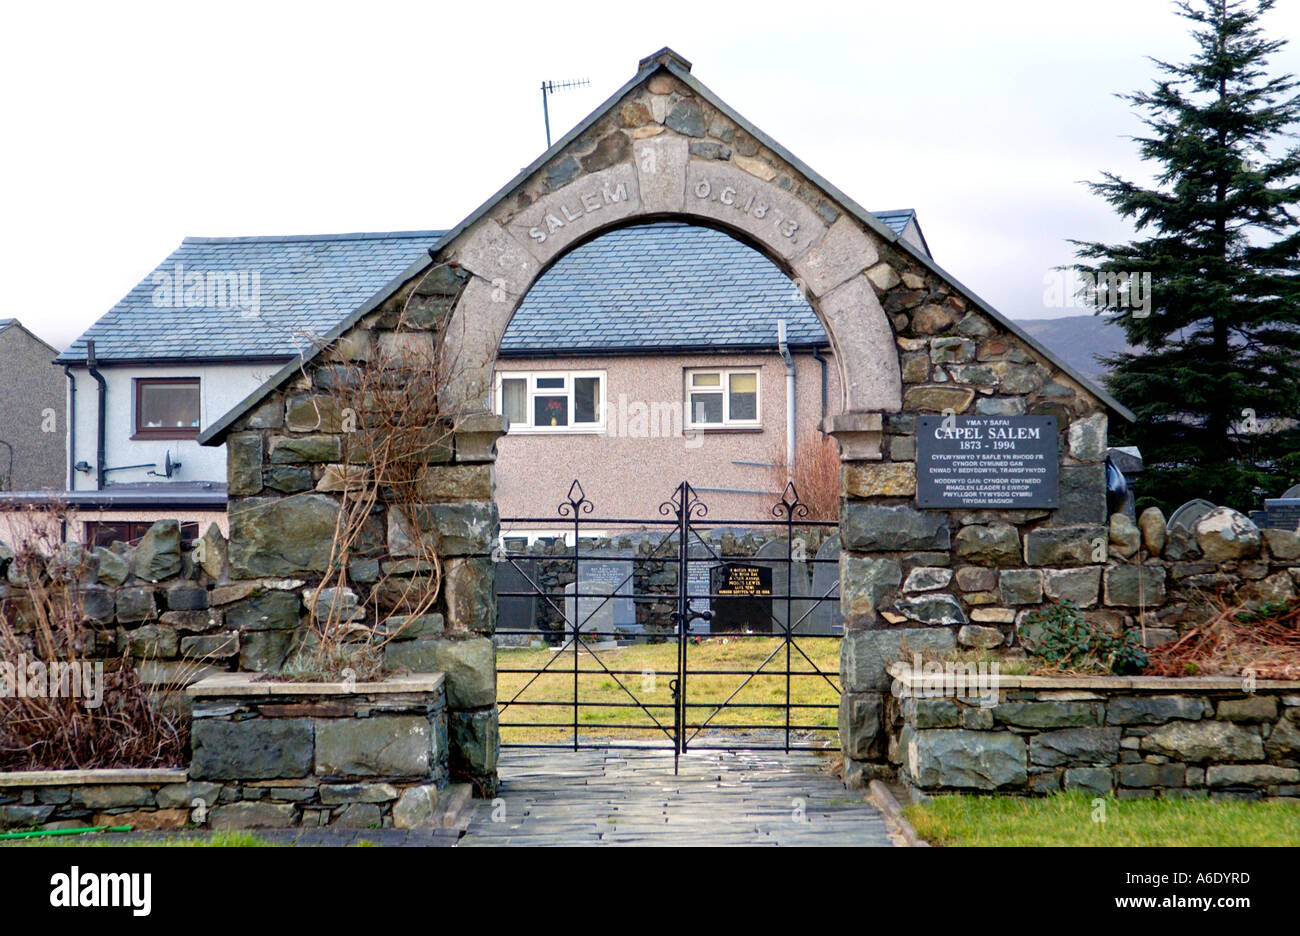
(305, 285)
(656, 287)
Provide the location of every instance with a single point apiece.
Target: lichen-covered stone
(1251, 775)
(247, 815)
(113, 569)
(1125, 538)
(1224, 534)
(152, 641)
(379, 746)
(470, 668)
(879, 528)
(994, 544)
(211, 552)
(1154, 709)
(1048, 714)
(256, 749)
(416, 807)
(878, 479)
(455, 529)
(135, 604)
(865, 586)
(1082, 491)
(288, 479)
(271, 610)
(288, 450)
(1080, 586)
(932, 399)
(1131, 586)
(475, 743)
(281, 536)
(1021, 586)
(313, 412)
(243, 463)
(1065, 546)
(860, 723)
(927, 578)
(929, 608)
(866, 654)
(158, 556)
(956, 758)
(1251, 710)
(1075, 747)
(1154, 530)
(1087, 438)
(980, 638)
(1198, 741)
(470, 594)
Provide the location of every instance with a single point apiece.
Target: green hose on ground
(42, 833)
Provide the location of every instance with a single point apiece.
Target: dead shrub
(62, 706)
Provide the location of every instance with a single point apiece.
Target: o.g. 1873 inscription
(987, 461)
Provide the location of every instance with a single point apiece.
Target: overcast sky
(131, 125)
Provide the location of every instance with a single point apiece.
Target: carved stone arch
(506, 251)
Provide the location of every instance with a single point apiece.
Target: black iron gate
(571, 680)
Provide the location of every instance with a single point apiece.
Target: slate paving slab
(631, 797)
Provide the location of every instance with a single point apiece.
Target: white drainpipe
(789, 394)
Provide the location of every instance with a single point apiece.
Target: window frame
(568, 391)
(724, 390)
(164, 432)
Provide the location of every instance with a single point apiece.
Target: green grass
(742, 654)
(1068, 819)
(117, 840)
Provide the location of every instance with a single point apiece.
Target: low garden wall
(175, 611)
(980, 597)
(73, 799)
(268, 754)
(1131, 736)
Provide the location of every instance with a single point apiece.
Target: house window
(722, 398)
(166, 408)
(552, 401)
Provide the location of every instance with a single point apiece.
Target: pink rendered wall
(629, 477)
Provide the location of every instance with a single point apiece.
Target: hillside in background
(1078, 339)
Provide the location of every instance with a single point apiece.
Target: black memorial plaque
(1009, 462)
(742, 598)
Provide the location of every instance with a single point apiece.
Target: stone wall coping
(909, 678)
(254, 684)
(101, 776)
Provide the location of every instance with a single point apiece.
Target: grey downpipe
(789, 395)
(99, 423)
(72, 425)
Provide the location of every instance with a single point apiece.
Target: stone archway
(826, 252)
(657, 179)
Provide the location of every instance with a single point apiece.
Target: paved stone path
(630, 797)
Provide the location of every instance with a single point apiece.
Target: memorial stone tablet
(1007, 462)
(743, 598)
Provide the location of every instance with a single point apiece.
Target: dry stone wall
(1132, 738)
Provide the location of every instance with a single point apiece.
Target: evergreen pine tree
(1215, 383)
